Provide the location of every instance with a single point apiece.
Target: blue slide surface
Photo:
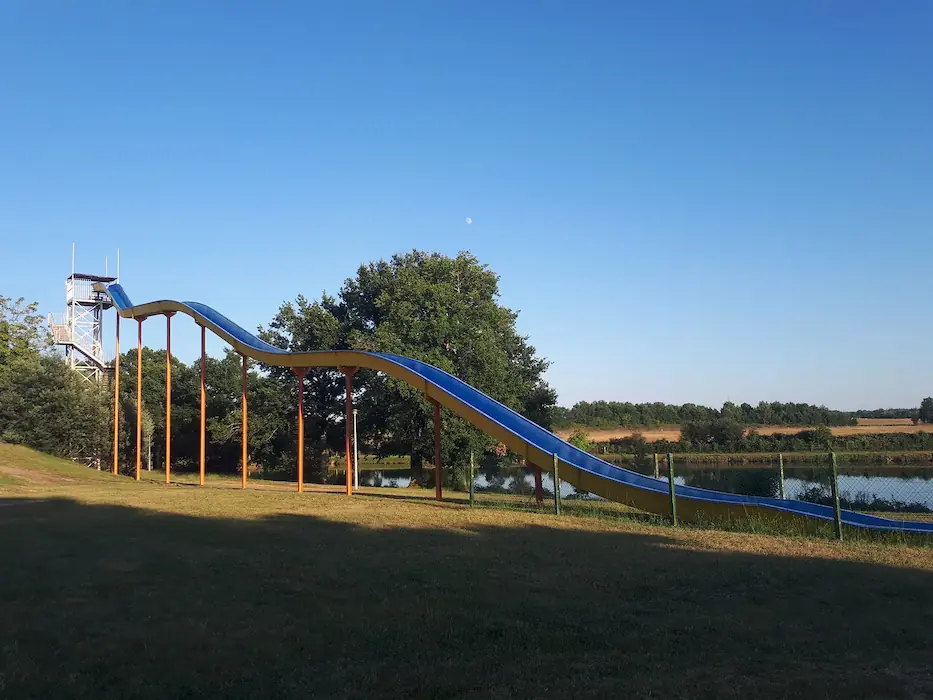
(501, 416)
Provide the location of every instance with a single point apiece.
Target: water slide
(537, 445)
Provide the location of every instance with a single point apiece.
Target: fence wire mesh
(892, 490)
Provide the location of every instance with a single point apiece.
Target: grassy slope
(114, 589)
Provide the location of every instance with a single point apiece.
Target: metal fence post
(657, 473)
(472, 479)
(837, 511)
(556, 488)
(781, 475)
(672, 487)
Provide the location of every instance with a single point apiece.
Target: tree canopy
(43, 403)
(431, 307)
(613, 414)
(926, 410)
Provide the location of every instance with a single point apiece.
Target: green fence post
(472, 479)
(672, 486)
(657, 473)
(837, 511)
(781, 475)
(556, 488)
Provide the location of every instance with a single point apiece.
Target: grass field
(866, 426)
(113, 589)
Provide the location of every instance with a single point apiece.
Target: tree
(434, 308)
(580, 440)
(43, 403)
(269, 432)
(22, 337)
(185, 408)
(303, 326)
(926, 410)
(717, 434)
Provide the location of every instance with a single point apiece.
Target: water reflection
(870, 487)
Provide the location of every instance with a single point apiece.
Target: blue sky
(686, 201)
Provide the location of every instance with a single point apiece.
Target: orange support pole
(243, 440)
(168, 396)
(348, 373)
(139, 396)
(539, 488)
(116, 402)
(438, 469)
(203, 466)
(301, 427)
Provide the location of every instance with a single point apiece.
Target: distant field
(885, 421)
(672, 432)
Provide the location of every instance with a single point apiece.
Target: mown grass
(114, 589)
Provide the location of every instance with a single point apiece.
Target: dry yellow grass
(885, 421)
(672, 432)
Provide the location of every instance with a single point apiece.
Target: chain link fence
(902, 491)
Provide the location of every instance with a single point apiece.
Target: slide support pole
(168, 396)
(202, 465)
(139, 395)
(348, 372)
(356, 453)
(556, 487)
(781, 476)
(301, 372)
(472, 478)
(837, 511)
(244, 439)
(438, 469)
(673, 488)
(539, 487)
(116, 402)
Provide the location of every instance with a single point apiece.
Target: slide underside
(537, 445)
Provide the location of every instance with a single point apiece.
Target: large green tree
(303, 326)
(926, 410)
(22, 337)
(431, 307)
(270, 432)
(43, 403)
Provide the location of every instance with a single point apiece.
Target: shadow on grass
(113, 602)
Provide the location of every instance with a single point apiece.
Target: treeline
(613, 414)
(47, 406)
(888, 413)
(728, 436)
(441, 310)
(43, 403)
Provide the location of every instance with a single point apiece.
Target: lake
(877, 488)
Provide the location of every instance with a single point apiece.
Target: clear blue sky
(688, 201)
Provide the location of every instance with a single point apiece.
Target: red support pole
(139, 395)
(438, 469)
(244, 378)
(116, 402)
(539, 488)
(168, 396)
(203, 466)
(301, 372)
(348, 373)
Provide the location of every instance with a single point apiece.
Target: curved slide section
(522, 436)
